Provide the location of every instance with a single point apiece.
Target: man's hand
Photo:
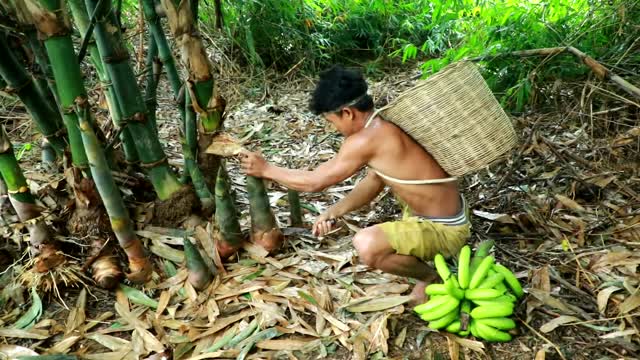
(324, 224)
(253, 164)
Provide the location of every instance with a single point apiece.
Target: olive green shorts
(424, 237)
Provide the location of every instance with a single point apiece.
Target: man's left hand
(253, 164)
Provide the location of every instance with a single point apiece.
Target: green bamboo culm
(199, 274)
(164, 51)
(153, 68)
(48, 88)
(139, 264)
(82, 21)
(166, 58)
(46, 83)
(46, 118)
(19, 194)
(187, 114)
(199, 86)
(264, 227)
(207, 199)
(295, 209)
(226, 216)
(52, 27)
(116, 59)
(11, 172)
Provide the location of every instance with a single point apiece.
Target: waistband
(460, 218)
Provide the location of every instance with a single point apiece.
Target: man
(435, 217)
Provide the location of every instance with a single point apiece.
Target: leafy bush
(373, 33)
(281, 33)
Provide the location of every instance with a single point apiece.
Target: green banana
(445, 320)
(441, 267)
(481, 272)
(502, 323)
(463, 266)
(510, 279)
(481, 252)
(492, 334)
(436, 289)
(501, 286)
(453, 288)
(473, 329)
(483, 248)
(454, 327)
(508, 299)
(491, 280)
(482, 294)
(464, 333)
(433, 303)
(475, 262)
(442, 310)
(497, 310)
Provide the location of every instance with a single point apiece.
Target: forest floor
(563, 211)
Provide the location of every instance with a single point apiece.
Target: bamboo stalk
(226, 217)
(200, 86)
(19, 195)
(116, 59)
(49, 20)
(153, 67)
(600, 70)
(139, 264)
(264, 227)
(46, 118)
(82, 21)
(188, 116)
(294, 208)
(603, 73)
(199, 274)
(164, 52)
(26, 22)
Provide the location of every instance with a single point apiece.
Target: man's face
(342, 121)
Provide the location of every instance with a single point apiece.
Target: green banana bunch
(478, 300)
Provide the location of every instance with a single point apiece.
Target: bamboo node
(11, 90)
(139, 117)
(21, 190)
(154, 164)
(118, 58)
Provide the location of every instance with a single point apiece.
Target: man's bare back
(396, 154)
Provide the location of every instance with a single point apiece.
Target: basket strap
(371, 117)
(416, 182)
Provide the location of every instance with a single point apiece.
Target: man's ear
(348, 113)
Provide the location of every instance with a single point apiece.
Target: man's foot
(417, 294)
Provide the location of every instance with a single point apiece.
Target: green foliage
(374, 33)
(281, 33)
(485, 28)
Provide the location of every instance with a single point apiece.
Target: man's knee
(364, 243)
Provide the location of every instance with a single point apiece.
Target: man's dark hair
(337, 87)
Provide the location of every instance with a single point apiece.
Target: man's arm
(354, 153)
(364, 192)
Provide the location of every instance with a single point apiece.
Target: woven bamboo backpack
(456, 118)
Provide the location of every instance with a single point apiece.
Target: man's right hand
(324, 224)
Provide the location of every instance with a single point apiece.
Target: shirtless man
(435, 217)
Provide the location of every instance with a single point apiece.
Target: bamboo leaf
(560, 320)
(31, 317)
(377, 304)
(110, 342)
(138, 297)
(603, 297)
(13, 351)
